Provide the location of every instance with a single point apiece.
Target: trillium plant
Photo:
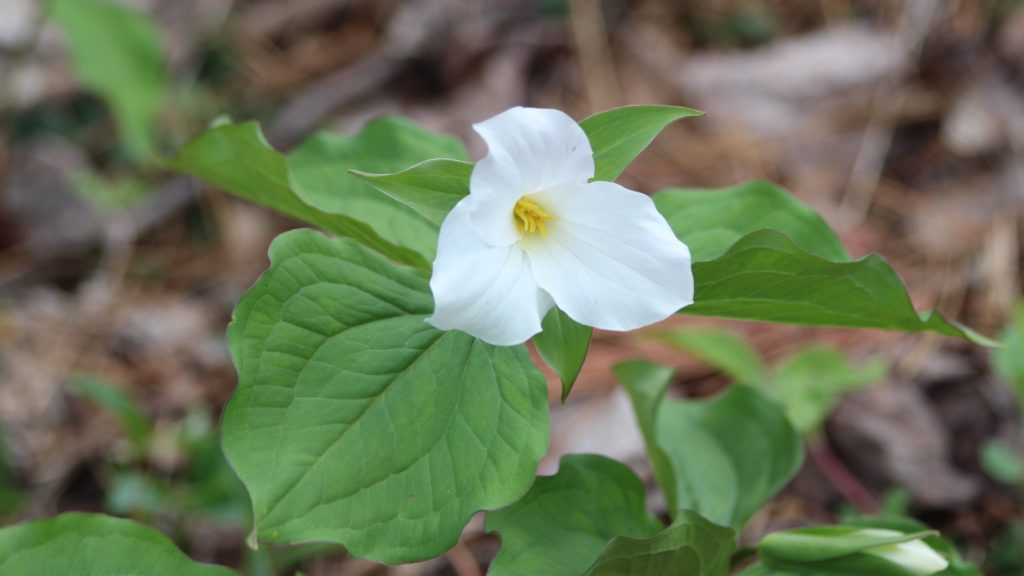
(386, 395)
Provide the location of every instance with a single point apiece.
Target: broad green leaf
(766, 277)
(722, 349)
(318, 171)
(431, 188)
(237, 158)
(565, 521)
(563, 345)
(710, 221)
(356, 422)
(123, 407)
(619, 135)
(1008, 360)
(117, 53)
(729, 455)
(810, 383)
(1001, 462)
(94, 545)
(691, 546)
(646, 384)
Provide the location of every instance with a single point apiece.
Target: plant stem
(841, 478)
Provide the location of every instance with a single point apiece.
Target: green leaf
(728, 455)
(1001, 462)
(766, 277)
(94, 545)
(431, 188)
(810, 383)
(130, 416)
(828, 542)
(563, 345)
(836, 550)
(565, 521)
(116, 53)
(691, 546)
(646, 384)
(237, 158)
(619, 135)
(318, 171)
(356, 422)
(710, 221)
(722, 349)
(1008, 360)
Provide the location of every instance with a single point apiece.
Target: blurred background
(901, 122)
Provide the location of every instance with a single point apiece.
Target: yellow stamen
(529, 217)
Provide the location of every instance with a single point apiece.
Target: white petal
(484, 290)
(529, 149)
(915, 556)
(610, 260)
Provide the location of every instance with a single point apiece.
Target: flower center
(529, 217)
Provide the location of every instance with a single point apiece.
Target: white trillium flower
(534, 233)
(915, 556)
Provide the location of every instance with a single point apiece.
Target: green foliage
(590, 519)
(10, 497)
(766, 277)
(561, 526)
(691, 546)
(840, 550)
(1001, 462)
(93, 545)
(563, 345)
(729, 455)
(237, 158)
(356, 422)
(721, 349)
(619, 135)
(710, 221)
(121, 406)
(1008, 360)
(761, 255)
(431, 188)
(117, 53)
(318, 172)
(809, 383)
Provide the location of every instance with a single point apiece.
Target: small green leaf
(431, 188)
(810, 383)
(563, 345)
(1008, 360)
(237, 158)
(565, 521)
(318, 171)
(132, 419)
(729, 455)
(710, 221)
(356, 422)
(691, 546)
(90, 544)
(722, 349)
(646, 384)
(1002, 462)
(766, 277)
(116, 52)
(619, 135)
